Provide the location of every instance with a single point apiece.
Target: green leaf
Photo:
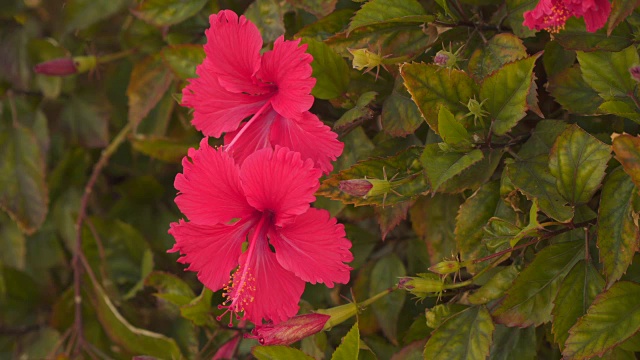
(381, 11)
(122, 333)
(533, 177)
(391, 216)
(513, 343)
(624, 109)
(452, 131)
(575, 37)
(150, 79)
(170, 288)
(80, 14)
(557, 59)
(13, 244)
(608, 73)
(23, 192)
(319, 8)
(617, 232)
(431, 87)
(400, 115)
(466, 335)
(573, 93)
(577, 291)
(85, 120)
(627, 152)
(435, 228)
(349, 346)
(278, 352)
(498, 51)
(329, 69)
(495, 287)
(183, 59)
(505, 92)
(515, 14)
(358, 114)
(542, 138)
(408, 183)
(578, 161)
(613, 317)
(268, 16)
(620, 9)
(327, 26)
(168, 150)
(167, 12)
(441, 166)
(199, 309)
(473, 215)
(384, 275)
(438, 314)
(529, 301)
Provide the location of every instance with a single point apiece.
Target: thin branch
(76, 262)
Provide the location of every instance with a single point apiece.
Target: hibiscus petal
(595, 17)
(314, 248)
(217, 110)
(277, 291)
(308, 136)
(233, 48)
(210, 189)
(279, 181)
(212, 251)
(254, 138)
(289, 68)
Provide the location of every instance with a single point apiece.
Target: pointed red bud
(635, 72)
(57, 67)
(290, 331)
(356, 187)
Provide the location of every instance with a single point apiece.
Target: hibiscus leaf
(391, 216)
(627, 150)
(384, 275)
(165, 149)
(167, 12)
(170, 288)
(268, 16)
(495, 287)
(400, 115)
(529, 301)
(278, 352)
(85, 120)
(465, 335)
(613, 317)
(435, 228)
(319, 8)
(576, 293)
(578, 162)
(620, 9)
(329, 69)
(359, 113)
(573, 93)
(150, 79)
(199, 310)
(575, 37)
(349, 346)
(431, 86)
(327, 26)
(183, 59)
(441, 166)
(513, 343)
(505, 92)
(625, 108)
(617, 233)
(515, 14)
(608, 72)
(382, 11)
(453, 133)
(498, 51)
(23, 191)
(80, 14)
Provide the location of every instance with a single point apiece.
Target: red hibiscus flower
(553, 14)
(235, 82)
(264, 202)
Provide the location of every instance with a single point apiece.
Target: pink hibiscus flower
(265, 201)
(235, 82)
(553, 14)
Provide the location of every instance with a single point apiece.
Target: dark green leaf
(319, 8)
(85, 120)
(279, 352)
(359, 113)
(498, 51)
(435, 228)
(23, 192)
(620, 9)
(170, 288)
(438, 314)
(466, 335)
(627, 150)
(542, 138)
(441, 166)
(183, 59)
(400, 115)
(578, 162)
(199, 309)
(575, 294)
(617, 232)
(169, 150)
(625, 108)
(268, 16)
(495, 287)
(348, 349)
(384, 275)
(575, 37)
(381, 11)
(79, 14)
(150, 79)
(391, 216)
(505, 92)
(167, 12)
(329, 69)
(613, 317)
(12, 243)
(608, 73)
(327, 26)
(431, 87)
(573, 93)
(529, 301)
(557, 59)
(513, 343)
(515, 15)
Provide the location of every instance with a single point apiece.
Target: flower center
(557, 18)
(240, 292)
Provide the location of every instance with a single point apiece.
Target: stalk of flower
(273, 90)
(265, 200)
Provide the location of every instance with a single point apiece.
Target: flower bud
(423, 285)
(290, 331)
(57, 67)
(446, 267)
(356, 187)
(365, 59)
(635, 72)
(445, 59)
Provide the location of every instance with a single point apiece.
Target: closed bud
(445, 59)
(338, 314)
(365, 59)
(446, 267)
(356, 187)
(635, 72)
(57, 67)
(290, 331)
(423, 285)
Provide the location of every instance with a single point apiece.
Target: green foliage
(516, 166)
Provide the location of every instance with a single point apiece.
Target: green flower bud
(445, 59)
(422, 286)
(338, 314)
(446, 267)
(365, 59)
